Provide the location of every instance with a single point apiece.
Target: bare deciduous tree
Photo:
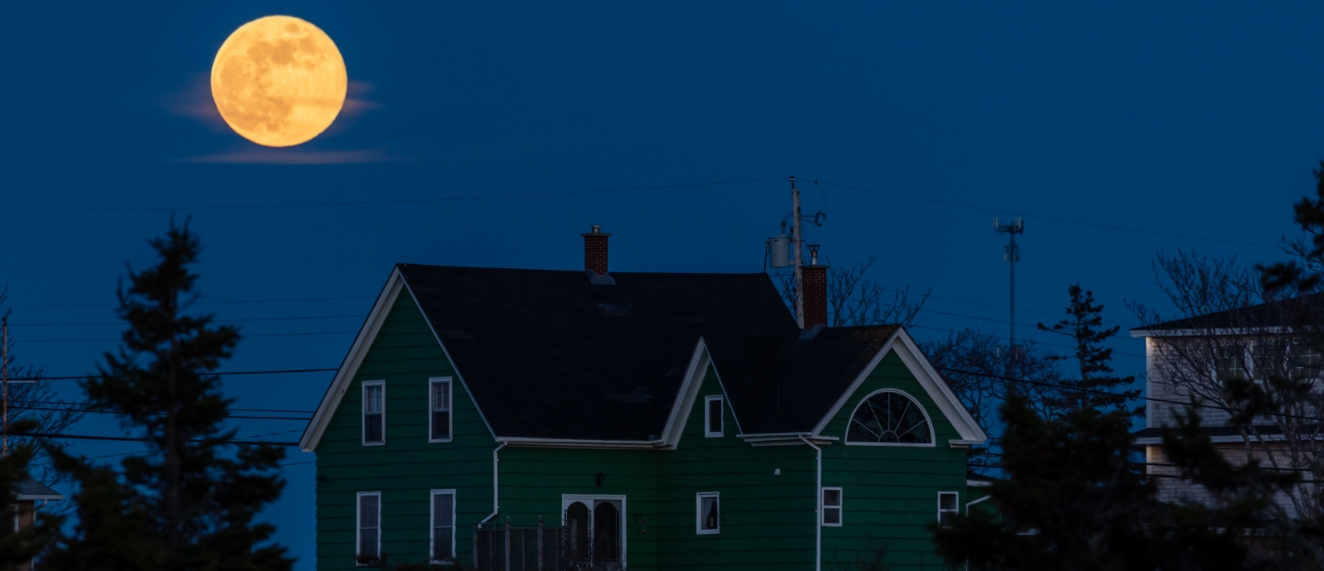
(854, 299)
(1250, 359)
(34, 399)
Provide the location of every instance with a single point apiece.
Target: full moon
(278, 81)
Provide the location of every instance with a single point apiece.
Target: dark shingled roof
(1272, 314)
(29, 489)
(548, 354)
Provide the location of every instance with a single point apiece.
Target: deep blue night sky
(1149, 127)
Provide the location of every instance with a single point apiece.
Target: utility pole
(4, 371)
(796, 237)
(1012, 256)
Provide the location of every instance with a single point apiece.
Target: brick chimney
(595, 251)
(813, 288)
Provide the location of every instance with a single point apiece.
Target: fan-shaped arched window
(890, 417)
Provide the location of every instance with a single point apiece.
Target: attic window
(439, 410)
(712, 418)
(374, 413)
(890, 418)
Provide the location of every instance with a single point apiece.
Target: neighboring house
(667, 421)
(1195, 357)
(30, 492)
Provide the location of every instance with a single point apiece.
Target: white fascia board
(929, 379)
(455, 366)
(1219, 332)
(45, 497)
(566, 443)
(312, 434)
(689, 390)
(1223, 439)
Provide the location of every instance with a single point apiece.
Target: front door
(595, 529)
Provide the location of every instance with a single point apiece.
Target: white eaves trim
(1216, 332)
(350, 364)
(359, 350)
(689, 391)
(938, 391)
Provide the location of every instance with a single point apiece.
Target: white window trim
(933, 430)
(363, 413)
(698, 513)
(450, 418)
(358, 524)
(955, 510)
(840, 507)
(587, 500)
(708, 431)
(432, 524)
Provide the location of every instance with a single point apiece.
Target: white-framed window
(439, 409)
(890, 417)
(374, 413)
(443, 526)
(831, 507)
(712, 416)
(1230, 362)
(708, 513)
(368, 513)
(947, 508)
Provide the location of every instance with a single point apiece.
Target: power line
(1096, 391)
(139, 439)
(990, 336)
(243, 320)
(99, 411)
(383, 202)
(90, 339)
(218, 373)
(218, 302)
(1049, 218)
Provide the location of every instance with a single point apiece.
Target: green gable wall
(767, 521)
(890, 494)
(405, 354)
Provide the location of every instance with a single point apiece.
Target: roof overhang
(905, 347)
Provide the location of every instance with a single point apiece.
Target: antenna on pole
(4, 372)
(796, 238)
(1012, 255)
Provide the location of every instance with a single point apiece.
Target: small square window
(1230, 362)
(439, 410)
(831, 508)
(712, 422)
(1268, 359)
(374, 412)
(708, 514)
(947, 508)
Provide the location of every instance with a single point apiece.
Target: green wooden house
(658, 421)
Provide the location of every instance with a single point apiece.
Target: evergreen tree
(1097, 387)
(1073, 499)
(190, 501)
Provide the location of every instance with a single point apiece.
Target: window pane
(889, 418)
(714, 416)
(947, 501)
(441, 425)
(832, 498)
(372, 427)
(709, 508)
(832, 515)
(372, 399)
(441, 544)
(368, 542)
(443, 509)
(368, 511)
(441, 395)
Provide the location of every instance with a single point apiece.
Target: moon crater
(278, 81)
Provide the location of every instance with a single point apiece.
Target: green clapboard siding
(890, 494)
(405, 354)
(769, 502)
